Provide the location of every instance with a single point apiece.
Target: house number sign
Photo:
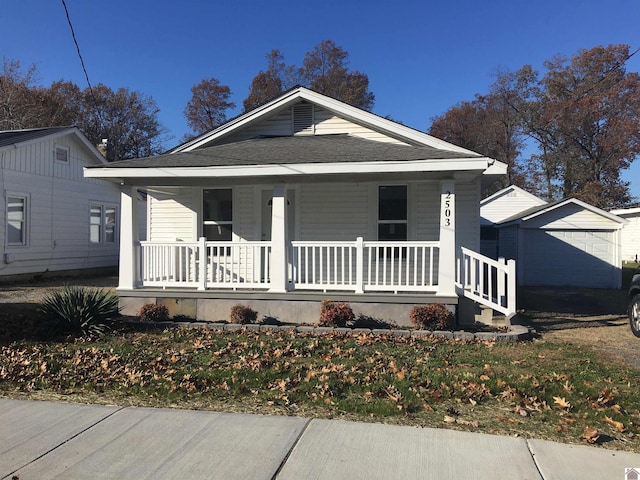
(448, 209)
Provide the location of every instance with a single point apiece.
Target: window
(217, 208)
(16, 220)
(392, 213)
(102, 224)
(62, 153)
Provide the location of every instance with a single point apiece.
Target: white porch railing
(364, 266)
(487, 281)
(204, 264)
(356, 266)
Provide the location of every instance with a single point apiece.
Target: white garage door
(578, 258)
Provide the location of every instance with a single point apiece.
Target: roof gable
(506, 203)
(571, 213)
(18, 138)
(339, 109)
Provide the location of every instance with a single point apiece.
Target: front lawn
(542, 389)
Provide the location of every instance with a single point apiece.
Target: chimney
(102, 147)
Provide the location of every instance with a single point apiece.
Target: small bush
(335, 314)
(243, 314)
(434, 316)
(77, 310)
(153, 312)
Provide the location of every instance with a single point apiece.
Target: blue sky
(421, 57)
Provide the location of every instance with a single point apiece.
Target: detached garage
(567, 243)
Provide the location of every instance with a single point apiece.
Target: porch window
(102, 224)
(392, 213)
(16, 220)
(217, 213)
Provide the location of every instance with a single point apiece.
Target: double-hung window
(102, 224)
(392, 213)
(16, 220)
(217, 214)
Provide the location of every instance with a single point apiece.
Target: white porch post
(128, 237)
(447, 261)
(278, 266)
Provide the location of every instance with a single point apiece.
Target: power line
(73, 34)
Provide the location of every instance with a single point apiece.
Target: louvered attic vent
(303, 119)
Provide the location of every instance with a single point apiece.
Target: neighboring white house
(630, 236)
(566, 243)
(54, 219)
(502, 205)
(307, 198)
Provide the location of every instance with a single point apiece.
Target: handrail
(487, 281)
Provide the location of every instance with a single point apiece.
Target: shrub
(434, 316)
(335, 314)
(243, 314)
(78, 310)
(153, 312)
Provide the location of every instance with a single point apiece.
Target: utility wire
(73, 34)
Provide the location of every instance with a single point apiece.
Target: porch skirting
(291, 307)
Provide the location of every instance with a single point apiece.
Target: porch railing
(204, 264)
(487, 281)
(364, 266)
(356, 266)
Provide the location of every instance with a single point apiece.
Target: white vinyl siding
(325, 123)
(571, 216)
(173, 215)
(58, 199)
(334, 211)
(467, 215)
(630, 237)
(507, 203)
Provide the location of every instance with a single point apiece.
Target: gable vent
(303, 119)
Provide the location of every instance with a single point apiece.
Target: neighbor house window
(392, 213)
(62, 153)
(16, 220)
(102, 224)
(217, 214)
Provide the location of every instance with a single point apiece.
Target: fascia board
(580, 203)
(452, 165)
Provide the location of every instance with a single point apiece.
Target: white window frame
(24, 221)
(64, 148)
(397, 221)
(218, 222)
(103, 239)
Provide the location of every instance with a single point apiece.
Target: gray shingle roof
(292, 150)
(11, 137)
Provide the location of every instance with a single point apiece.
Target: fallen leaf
(561, 402)
(618, 425)
(591, 435)
(449, 419)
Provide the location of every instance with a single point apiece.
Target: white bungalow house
(307, 198)
(53, 219)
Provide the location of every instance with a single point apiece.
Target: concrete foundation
(292, 307)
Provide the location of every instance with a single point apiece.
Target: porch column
(447, 261)
(278, 265)
(128, 237)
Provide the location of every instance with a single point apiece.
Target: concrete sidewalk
(40, 440)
